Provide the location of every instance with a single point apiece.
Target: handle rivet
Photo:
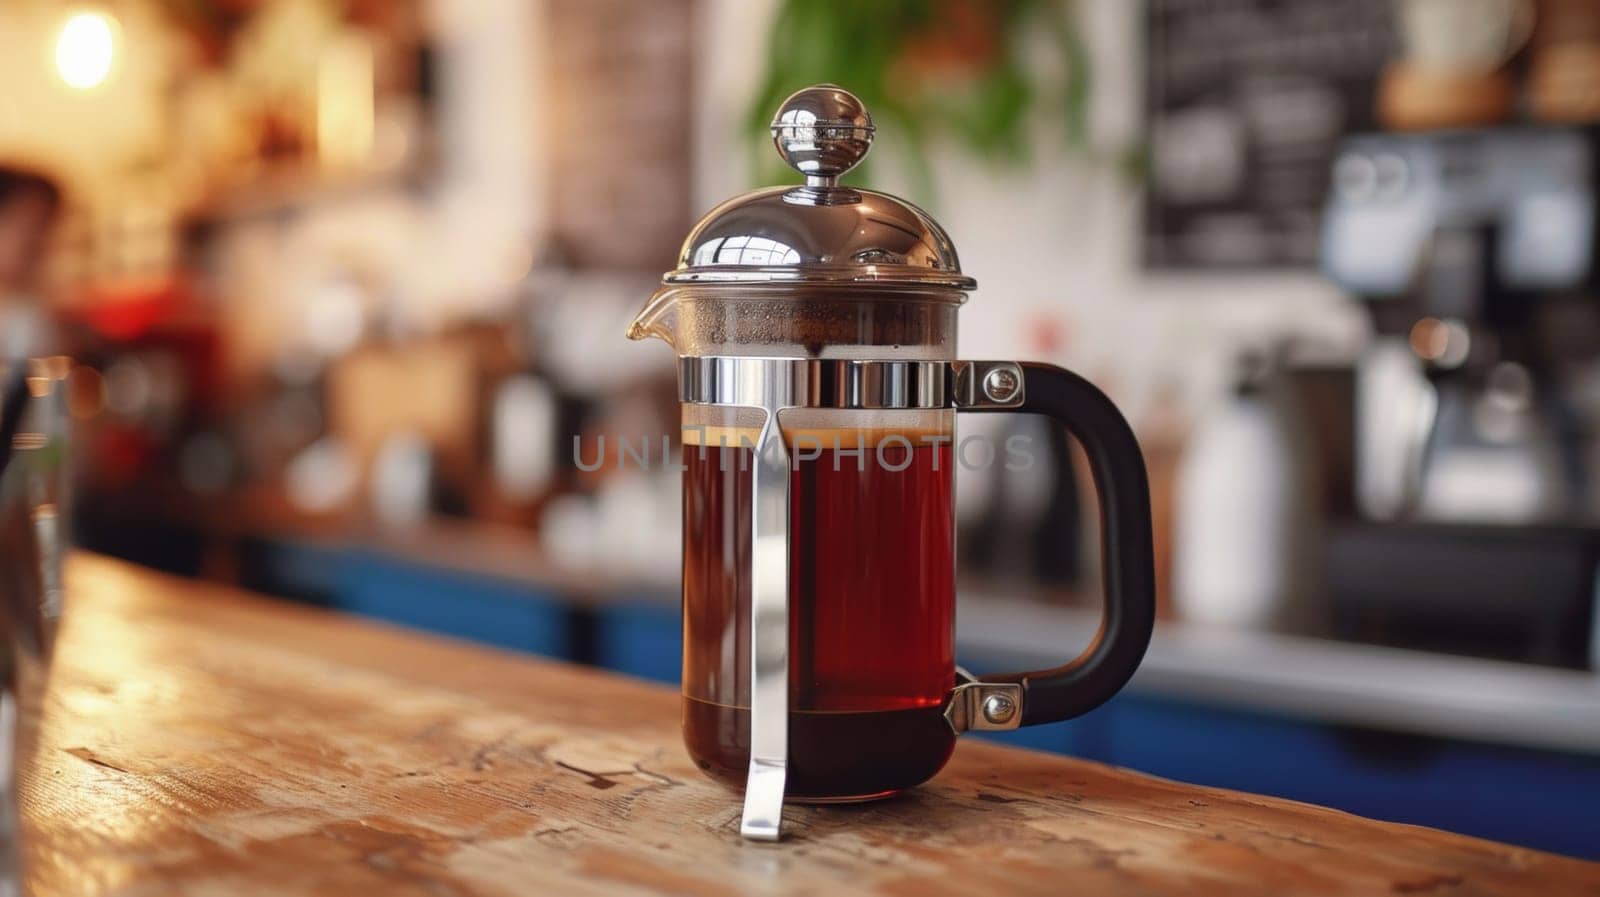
(999, 709)
(1001, 384)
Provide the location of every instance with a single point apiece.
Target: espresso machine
(1475, 411)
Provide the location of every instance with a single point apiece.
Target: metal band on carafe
(769, 635)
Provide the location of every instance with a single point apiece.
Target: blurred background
(345, 279)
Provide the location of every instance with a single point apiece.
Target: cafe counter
(1499, 750)
(199, 740)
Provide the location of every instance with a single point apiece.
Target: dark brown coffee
(871, 609)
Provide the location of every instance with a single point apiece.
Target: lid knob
(822, 132)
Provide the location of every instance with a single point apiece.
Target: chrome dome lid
(821, 233)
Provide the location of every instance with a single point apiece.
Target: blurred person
(29, 205)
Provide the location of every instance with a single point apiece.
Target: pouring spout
(658, 319)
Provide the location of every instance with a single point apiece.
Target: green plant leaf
(863, 47)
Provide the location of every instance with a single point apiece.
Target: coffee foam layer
(813, 428)
(813, 438)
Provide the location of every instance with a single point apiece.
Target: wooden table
(197, 740)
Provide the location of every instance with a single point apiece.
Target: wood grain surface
(199, 741)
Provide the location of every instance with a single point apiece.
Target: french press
(816, 332)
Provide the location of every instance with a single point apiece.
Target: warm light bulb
(85, 49)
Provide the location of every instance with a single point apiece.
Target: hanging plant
(929, 67)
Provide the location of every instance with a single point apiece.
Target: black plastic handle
(1127, 558)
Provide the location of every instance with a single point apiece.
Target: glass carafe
(816, 333)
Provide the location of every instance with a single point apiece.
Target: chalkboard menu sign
(1245, 103)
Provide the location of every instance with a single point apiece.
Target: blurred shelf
(291, 189)
(1320, 680)
(1309, 679)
